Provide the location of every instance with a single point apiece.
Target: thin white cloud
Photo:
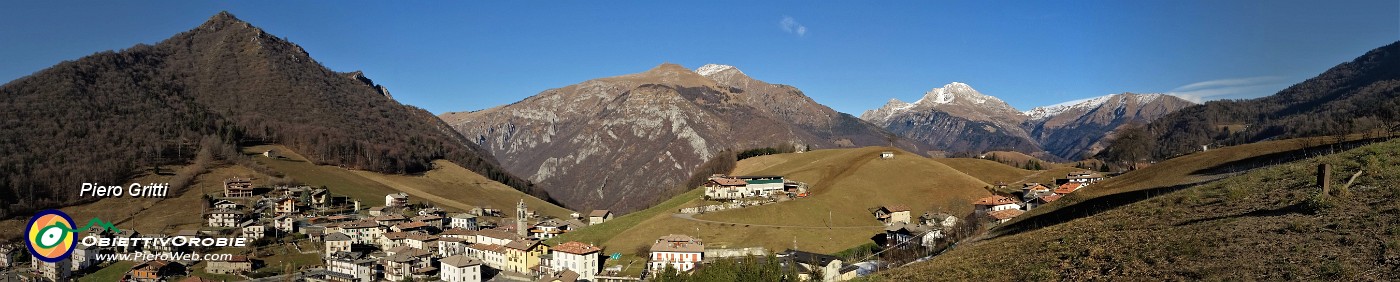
(1230, 87)
(791, 25)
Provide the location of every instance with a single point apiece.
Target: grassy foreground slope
(843, 182)
(1269, 224)
(1170, 175)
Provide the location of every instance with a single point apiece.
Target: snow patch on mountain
(1045, 112)
(711, 69)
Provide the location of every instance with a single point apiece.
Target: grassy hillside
(992, 172)
(447, 185)
(844, 183)
(1166, 176)
(1267, 224)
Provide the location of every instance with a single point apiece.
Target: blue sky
(850, 55)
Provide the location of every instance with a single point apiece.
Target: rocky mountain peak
(222, 20)
(667, 68)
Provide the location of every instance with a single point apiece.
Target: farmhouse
(726, 188)
(238, 187)
(995, 203)
(893, 214)
(912, 235)
(599, 216)
(1085, 177)
(680, 252)
(721, 187)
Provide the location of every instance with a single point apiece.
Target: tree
(1130, 145)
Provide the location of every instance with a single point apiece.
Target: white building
(54, 271)
(396, 200)
(354, 265)
(255, 231)
(285, 224)
(494, 256)
(995, 203)
(762, 185)
(726, 188)
(676, 251)
(462, 221)
(223, 217)
(580, 257)
(360, 232)
(84, 256)
(460, 268)
(337, 242)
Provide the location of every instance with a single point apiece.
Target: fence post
(1324, 178)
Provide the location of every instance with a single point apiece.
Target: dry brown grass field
(844, 184)
(1267, 224)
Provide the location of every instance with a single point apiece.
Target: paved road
(692, 217)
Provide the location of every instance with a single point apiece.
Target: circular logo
(50, 234)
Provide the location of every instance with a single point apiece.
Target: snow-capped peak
(711, 69)
(953, 91)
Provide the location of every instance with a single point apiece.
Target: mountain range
(958, 119)
(627, 141)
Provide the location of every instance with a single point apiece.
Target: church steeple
(520, 219)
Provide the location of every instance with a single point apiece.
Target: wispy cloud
(1226, 88)
(791, 25)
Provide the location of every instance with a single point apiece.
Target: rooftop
(460, 261)
(994, 200)
(577, 248)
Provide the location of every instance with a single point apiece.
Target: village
(403, 241)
